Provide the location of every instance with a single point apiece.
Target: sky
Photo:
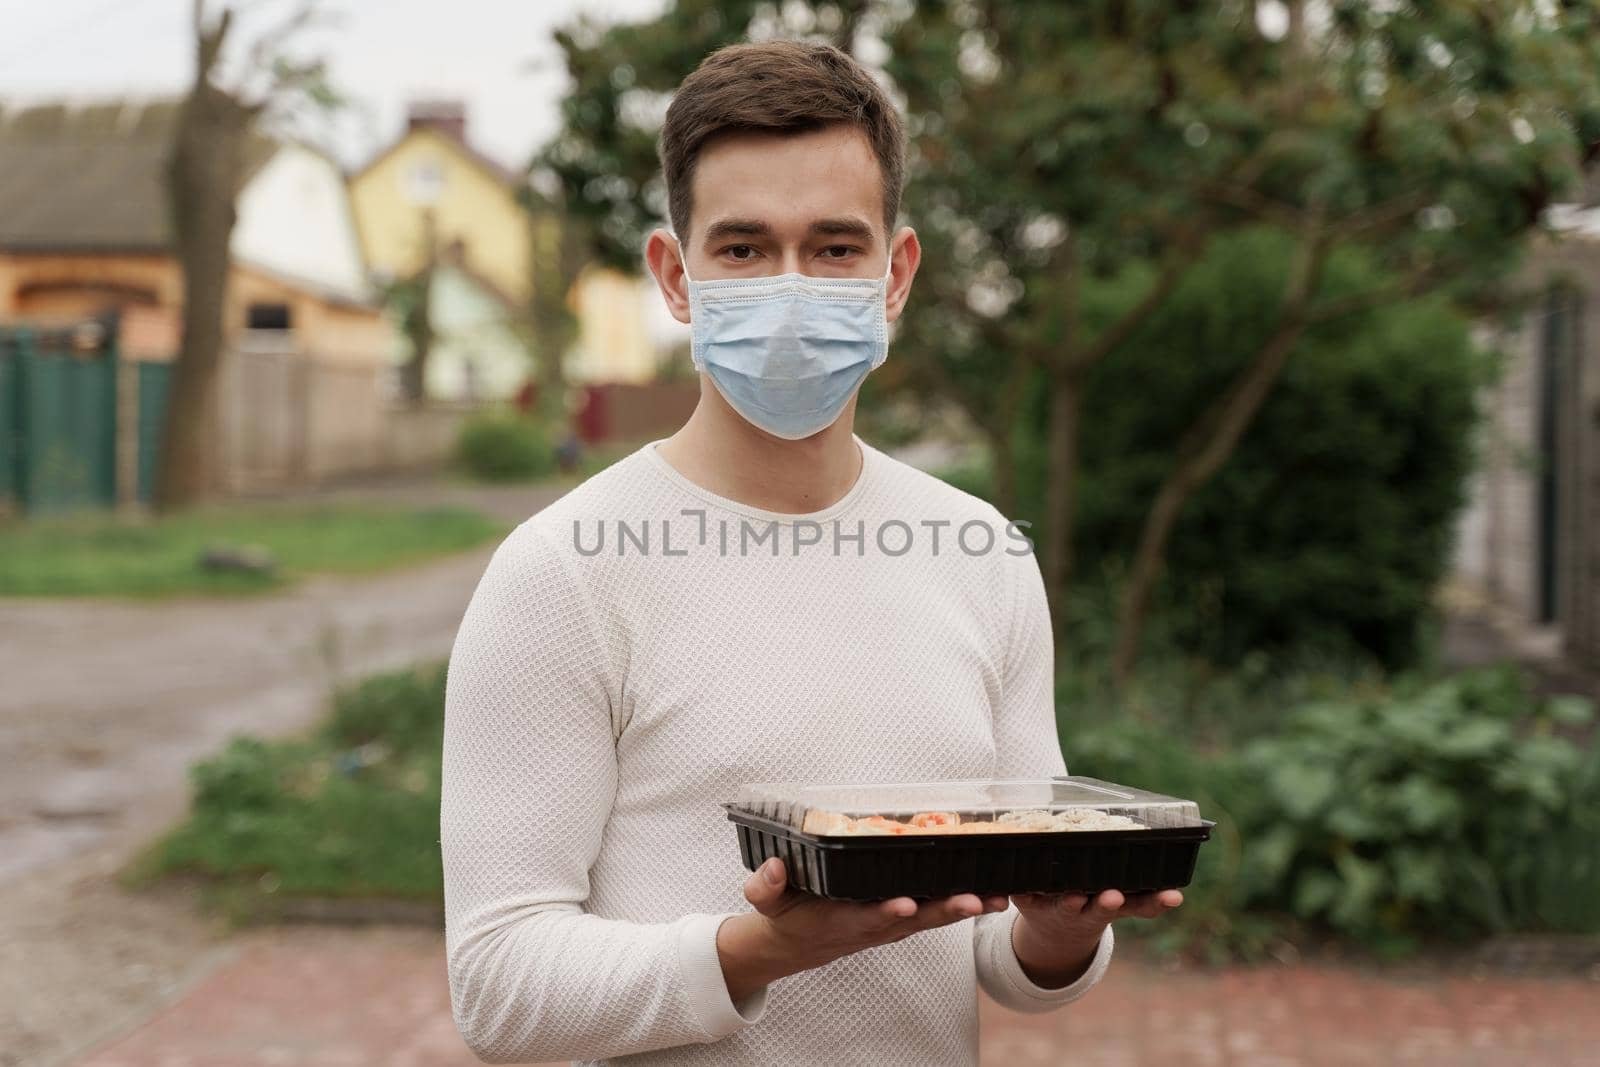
(496, 55)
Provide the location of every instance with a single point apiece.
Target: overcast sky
(497, 55)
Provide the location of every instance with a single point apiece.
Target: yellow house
(432, 178)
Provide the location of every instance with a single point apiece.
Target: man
(760, 597)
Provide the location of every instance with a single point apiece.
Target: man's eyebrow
(843, 227)
(737, 228)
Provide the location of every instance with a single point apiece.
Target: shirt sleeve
(1027, 745)
(529, 774)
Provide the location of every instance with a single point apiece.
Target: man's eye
(740, 251)
(837, 251)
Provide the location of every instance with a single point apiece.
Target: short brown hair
(777, 87)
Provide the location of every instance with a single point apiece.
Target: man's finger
(896, 909)
(1150, 905)
(1105, 907)
(766, 885)
(962, 906)
(1073, 903)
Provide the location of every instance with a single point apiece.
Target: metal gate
(58, 430)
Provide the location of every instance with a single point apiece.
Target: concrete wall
(1499, 548)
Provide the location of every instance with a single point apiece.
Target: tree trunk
(556, 264)
(1204, 449)
(205, 170)
(418, 324)
(1003, 471)
(1061, 482)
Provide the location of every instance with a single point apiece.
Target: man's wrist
(753, 953)
(1052, 961)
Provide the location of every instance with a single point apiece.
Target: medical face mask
(788, 352)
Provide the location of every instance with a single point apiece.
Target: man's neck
(721, 452)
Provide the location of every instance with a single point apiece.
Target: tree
(560, 249)
(205, 170)
(1057, 144)
(1052, 144)
(411, 298)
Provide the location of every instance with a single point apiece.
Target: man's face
(765, 204)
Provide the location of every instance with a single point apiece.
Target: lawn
(105, 555)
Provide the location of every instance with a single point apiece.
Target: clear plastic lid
(1000, 805)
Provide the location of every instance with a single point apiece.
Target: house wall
(42, 284)
(42, 288)
(296, 220)
(472, 329)
(473, 206)
(614, 342)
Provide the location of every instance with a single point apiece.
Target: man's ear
(664, 255)
(905, 252)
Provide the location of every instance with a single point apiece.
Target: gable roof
(498, 171)
(91, 178)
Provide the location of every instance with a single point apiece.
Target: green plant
(1430, 810)
(505, 448)
(350, 810)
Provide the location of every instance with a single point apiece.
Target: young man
(760, 597)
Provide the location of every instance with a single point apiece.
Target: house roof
(496, 170)
(90, 178)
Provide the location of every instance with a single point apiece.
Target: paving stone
(310, 996)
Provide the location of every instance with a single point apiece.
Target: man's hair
(777, 87)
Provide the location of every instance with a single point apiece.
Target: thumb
(765, 887)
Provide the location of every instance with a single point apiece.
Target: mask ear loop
(683, 257)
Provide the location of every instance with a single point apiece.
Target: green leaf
(1315, 892)
(1570, 710)
(1302, 790)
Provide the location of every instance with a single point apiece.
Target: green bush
(1384, 814)
(1330, 526)
(1432, 811)
(352, 810)
(505, 448)
(403, 709)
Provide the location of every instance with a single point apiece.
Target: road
(104, 707)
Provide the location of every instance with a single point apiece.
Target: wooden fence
(80, 427)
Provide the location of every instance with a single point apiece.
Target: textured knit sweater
(640, 649)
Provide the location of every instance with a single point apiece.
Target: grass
(104, 555)
(350, 810)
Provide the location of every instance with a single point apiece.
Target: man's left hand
(1056, 935)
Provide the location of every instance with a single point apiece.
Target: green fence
(58, 422)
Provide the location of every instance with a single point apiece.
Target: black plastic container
(878, 866)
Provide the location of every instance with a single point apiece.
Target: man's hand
(791, 931)
(1056, 935)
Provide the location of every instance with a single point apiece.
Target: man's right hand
(791, 931)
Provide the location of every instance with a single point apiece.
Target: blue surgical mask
(787, 352)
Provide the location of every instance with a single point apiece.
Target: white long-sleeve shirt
(640, 649)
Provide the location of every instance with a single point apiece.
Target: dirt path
(104, 707)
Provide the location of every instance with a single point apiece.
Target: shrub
(1434, 810)
(505, 448)
(351, 810)
(1386, 814)
(1331, 524)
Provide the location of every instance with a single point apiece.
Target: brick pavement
(330, 997)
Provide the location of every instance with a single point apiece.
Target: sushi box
(992, 837)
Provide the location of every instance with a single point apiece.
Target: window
(425, 182)
(267, 317)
